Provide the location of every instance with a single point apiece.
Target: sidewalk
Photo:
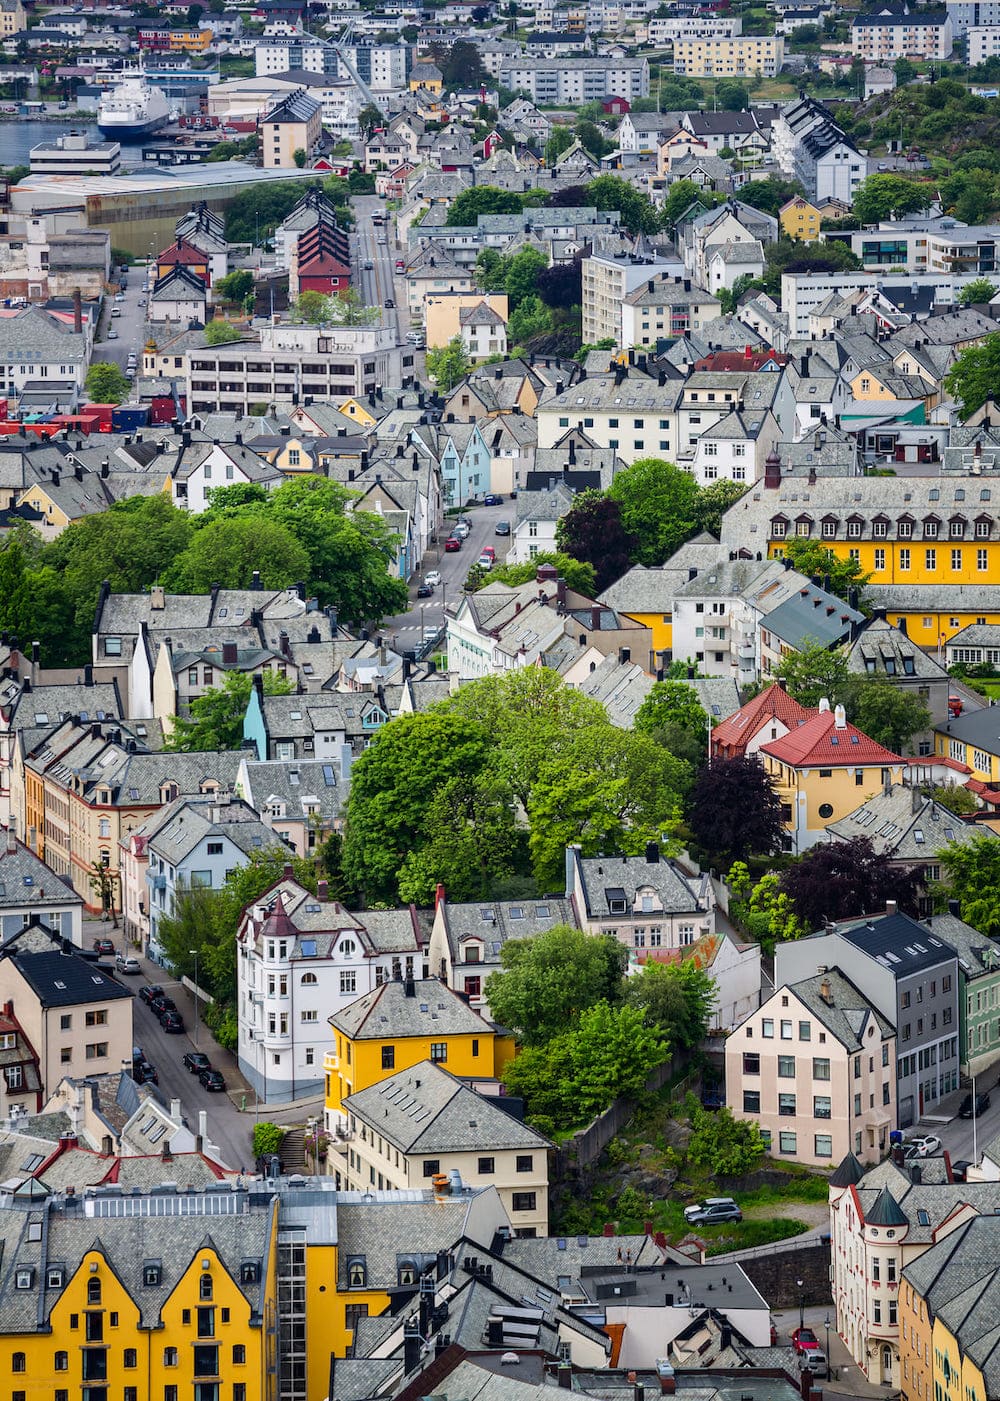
(848, 1378)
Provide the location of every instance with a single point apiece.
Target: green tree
(448, 364)
(726, 1146)
(980, 290)
(890, 197)
(469, 842)
(312, 307)
(956, 799)
(16, 603)
(105, 383)
(560, 140)
(975, 375)
(713, 502)
(252, 217)
(216, 720)
(905, 71)
(466, 208)
(770, 194)
(579, 575)
(767, 913)
(589, 136)
(520, 281)
(393, 784)
(227, 552)
(658, 503)
(462, 67)
(638, 213)
(816, 560)
(890, 715)
(530, 318)
(681, 195)
(610, 790)
(369, 119)
(532, 715)
(673, 705)
(235, 287)
(546, 983)
(972, 877)
(220, 332)
(103, 883)
(732, 97)
(349, 309)
(299, 157)
(812, 673)
(677, 998)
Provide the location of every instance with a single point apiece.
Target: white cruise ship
(132, 110)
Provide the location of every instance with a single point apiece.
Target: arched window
(93, 1291)
(357, 1274)
(205, 1286)
(308, 979)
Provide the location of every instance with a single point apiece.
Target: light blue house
(465, 463)
(31, 890)
(197, 841)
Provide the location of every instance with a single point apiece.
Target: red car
(452, 544)
(804, 1341)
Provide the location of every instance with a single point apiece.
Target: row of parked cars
(163, 1007)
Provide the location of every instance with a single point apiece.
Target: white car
(433, 577)
(926, 1145)
(485, 561)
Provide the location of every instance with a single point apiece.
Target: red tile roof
(736, 731)
(821, 742)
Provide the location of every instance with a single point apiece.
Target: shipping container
(128, 416)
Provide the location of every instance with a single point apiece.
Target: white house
(205, 466)
(300, 959)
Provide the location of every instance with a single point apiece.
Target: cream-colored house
(12, 18)
(815, 1067)
(78, 1019)
(443, 313)
(423, 1124)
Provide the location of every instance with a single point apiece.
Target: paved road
(407, 628)
(377, 245)
(961, 1137)
(131, 326)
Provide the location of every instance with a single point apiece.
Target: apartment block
(607, 281)
(723, 58)
(884, 36)
(982, 44)
(972, 14)
(660, 308)
(576, 80)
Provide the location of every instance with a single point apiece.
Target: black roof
(898, 942)
(848, 1172)
(64, 979)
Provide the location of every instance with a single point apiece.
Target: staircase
(293, 1153)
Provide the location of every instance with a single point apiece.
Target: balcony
(331, 1061)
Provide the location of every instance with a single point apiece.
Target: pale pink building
(815, 1066)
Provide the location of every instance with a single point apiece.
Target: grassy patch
(744, 1235)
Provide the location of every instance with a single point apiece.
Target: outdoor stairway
(293, 1153)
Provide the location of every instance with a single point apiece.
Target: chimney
(564, 1376)
(652, 856)
(409, 989)
(826, 991)
(953, 905)
(157, 599)
(561, 592)
(255, 583)
(595, 617)
(323, 891)
(665, 1373)
(890, 907)
(77, 310)
(840, 718)
(11, 835)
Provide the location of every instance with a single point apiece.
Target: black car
(162, 1004)
(966, 1111)
(390, 303)
(172, 1021)
(196, 1061)
(493, 499)
(212, 1079)
(148, 993)
(104, 946)
(143, 1073)
(502, 528)
(425, 590)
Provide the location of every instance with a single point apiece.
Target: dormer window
(152, 1273)
(931, 528)
(357, 1273)
(904, 529)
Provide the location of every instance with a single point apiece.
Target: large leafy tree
(975, 375)
(726, 1146)
(980, 290)
(887, 713)
(228, 552)
(817, 560)
(658, 503)
(592, 531)
(972, 871)
(448, 364)
(812, 673)
(466, 208)
(890, 197)
(734, 811)
(713, 502)
(677, 998)
(578, 574)
(216, 720)
(769, 195)
(610, 790)
(836, 880)
(393, 785)
(673, 704)
(545, 983)
(638, 213)
(106, 384)
(532, 715)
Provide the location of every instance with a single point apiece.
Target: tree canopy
(735, 812)
(972, 872)
(545, 983)
(106, 384)
(592, 531)
(216, 719)
(658, 504)
(975, 375)
(888, 196)
(835, 880)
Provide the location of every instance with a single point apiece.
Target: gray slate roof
(431, 1010)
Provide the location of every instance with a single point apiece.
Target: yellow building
(823, 770)
(949, 1348)
(12, 18)
(443, 314)
(972, 739)
(397, 1026)
(799, 219)
(426, 76)
(727, 58)
(295, 124)
(152, 1303)
(910, 534)
(194, 41)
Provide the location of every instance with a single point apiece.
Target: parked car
(116, 311)
(712, 1209)
(485, 561)
(452, 545)
(162, 1004)
(462, 530)
(104, 946)
(926, 1145)
(212, 1079)
(966, 1109)
(502, 528)
(172, 1021)
(196, 1062)
(125, 963)
(804, 1340)
(390, 303)
(815, 1360)
(433, 577)
(147, 994)
(489, 550)
(113, 336)
(425, 590)
(493, 498)
(143, 1073)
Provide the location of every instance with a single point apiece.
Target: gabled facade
(645, 902)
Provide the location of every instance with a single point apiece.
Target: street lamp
(826, 1325)
(194, 953)
(802, 1303)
